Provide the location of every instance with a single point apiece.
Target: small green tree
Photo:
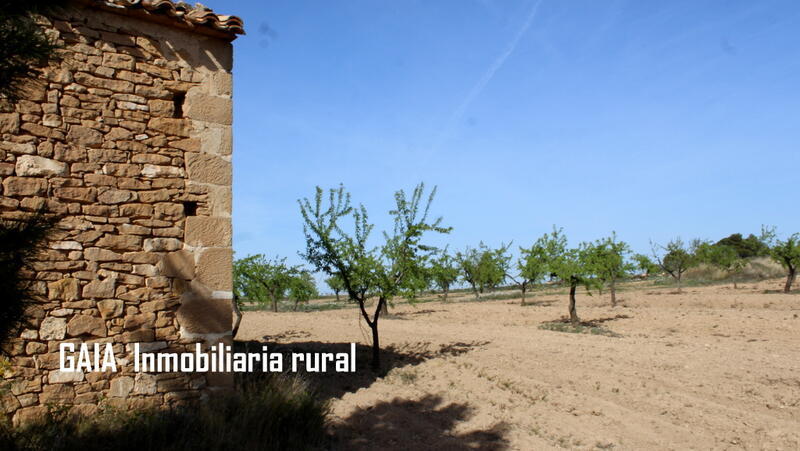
(484, 268)
(644, 264)
(23, 44)
(533, 265)
(302, 288)
(571, 266)
(787, 253)
(721, 256)
(260, 279)
(607, 259)
(444, 272)
(676, 260)
(336, 284)
(381, 272)
(20, 240)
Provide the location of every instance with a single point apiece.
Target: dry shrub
(758, 268)
(763, 268)
(704, 271)
(277, 414)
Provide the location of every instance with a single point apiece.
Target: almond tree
(787, 253)
(261, 279)
(571, 266)
(381, 272)
(443, 272)
(484, 268)
(302, 288)
(645, 264)
(677, 259)
(723, 257)
(533, 265)
(335, 283)
(607, 260)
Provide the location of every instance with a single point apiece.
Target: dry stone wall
(128, 137)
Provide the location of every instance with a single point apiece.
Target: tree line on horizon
(405, 265)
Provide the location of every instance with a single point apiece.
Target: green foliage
(336, 284)
(534, 263)
(607, 259)
(398, 267)
(675, 258)
(302, 288)
(749, 247)
(20, 240)
(722, 256)
(443, 271)
(484, 268)
(786, 252)
(23, 44)
(279, 413)
(645, 264)
(260, 279)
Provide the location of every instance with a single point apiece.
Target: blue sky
(651, 119)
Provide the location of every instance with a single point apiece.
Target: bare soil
(710, 368)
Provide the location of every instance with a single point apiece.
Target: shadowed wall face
(128, 137)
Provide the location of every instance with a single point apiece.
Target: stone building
(127, 136)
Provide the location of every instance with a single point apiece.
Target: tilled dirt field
(710, 368)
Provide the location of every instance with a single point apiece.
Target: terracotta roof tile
(182, 12)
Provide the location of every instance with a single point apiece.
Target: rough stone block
(206, 168)
(215, 269)
(31, 165)
(170, 126)
(162, 244)
(53, 328)
(203, 107)
(178, 264)
(110, 308)
(84, 136)
(63, 290)
(121, 387)
(199, 315)
(24, 186)
(83, 195)
(9, 123)
(208, 231)
(86, 325)
(100, 288)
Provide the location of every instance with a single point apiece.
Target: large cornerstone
(127, 137)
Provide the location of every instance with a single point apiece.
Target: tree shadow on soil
(588, 323)
(424, 424)
(538, 303)
(331, 384)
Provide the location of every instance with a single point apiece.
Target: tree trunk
(296, 303)
(337, 296)
(679, 283)
(446, 290)
(612, 287)
(790, 280)
(524, 289)
(573, 314)
(275, 304)
(237, 315)
(376, 347)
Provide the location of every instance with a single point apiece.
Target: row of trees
(257, 278)
(404, 264)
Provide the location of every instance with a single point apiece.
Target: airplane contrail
(458, 113)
